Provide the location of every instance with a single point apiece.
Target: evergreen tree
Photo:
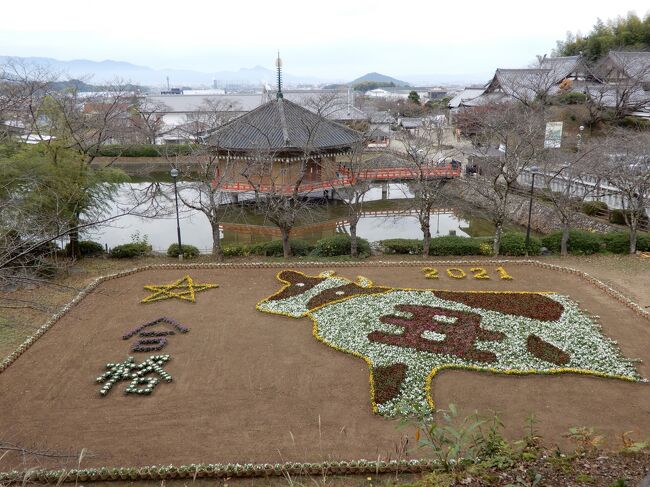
(414, 97)
(629, 33)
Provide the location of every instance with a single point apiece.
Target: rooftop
(283, 125)
(634, 64)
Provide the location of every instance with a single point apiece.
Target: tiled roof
(632, 63)
(410, 122)
(464, 96)
(560, 67)
(382, 117)
(282, 125)
(487, 98)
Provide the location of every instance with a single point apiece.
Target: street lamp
(581, 131)
(174, 174)
(534, 170)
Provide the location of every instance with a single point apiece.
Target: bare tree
(508, 139)
(354, 187)
(626, 167)
(570, 179)
(147, 117)
(279, 194)
(204, 190)
(85, 122)
(23, 87)
(426, 162)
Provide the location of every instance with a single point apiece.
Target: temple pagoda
(281, 147)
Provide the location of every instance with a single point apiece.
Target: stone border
(22, 348)
(217, 471)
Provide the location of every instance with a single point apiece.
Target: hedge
(411, 246)
(447, 245)
(87, 248)
(455, 245)
(189, 251)
(619, 242)
(274, 248)
(580, 242)
(145, 150)
(514, 243)
(130, 250)
(340, 245)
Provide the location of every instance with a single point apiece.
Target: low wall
(543, 218)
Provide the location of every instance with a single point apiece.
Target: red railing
(345, 179)
(409, 173)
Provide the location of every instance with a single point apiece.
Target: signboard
(553, 135)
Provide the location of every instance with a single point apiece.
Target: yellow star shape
(184, 288)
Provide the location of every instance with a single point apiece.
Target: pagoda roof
(281, 125)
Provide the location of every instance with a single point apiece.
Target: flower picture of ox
(407, 335)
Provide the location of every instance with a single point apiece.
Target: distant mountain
(97, 72)
(81, 86)
(260, 74)
(448, 79)
(378, 78)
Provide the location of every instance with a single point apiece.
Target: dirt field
(254, 387)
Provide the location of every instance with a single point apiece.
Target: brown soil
(256, 387)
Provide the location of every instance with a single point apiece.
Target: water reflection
(385, 216)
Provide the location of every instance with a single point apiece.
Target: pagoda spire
(278, 64)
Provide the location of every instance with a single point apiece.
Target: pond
(386, 215)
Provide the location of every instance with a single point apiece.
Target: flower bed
(138, 374)
(407, 335)
(184, 289)
(153, 340)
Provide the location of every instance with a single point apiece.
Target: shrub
(619, 242)
(402, 246)
(274, 248)
(618, 217)
(580, 242)
(454, 245)
(572, 98)
(514, 243)
(592, 208)
(130, 250)
(340, 245)
(486, 248)
(643, 242)
(234, 250)
(87, 248)
(189, 251)
(634, 123)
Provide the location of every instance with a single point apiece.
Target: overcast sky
(335, 39)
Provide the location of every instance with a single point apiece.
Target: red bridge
(346, 179)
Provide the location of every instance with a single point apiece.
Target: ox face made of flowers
(407, 335)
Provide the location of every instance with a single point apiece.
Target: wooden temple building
(281, 147)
